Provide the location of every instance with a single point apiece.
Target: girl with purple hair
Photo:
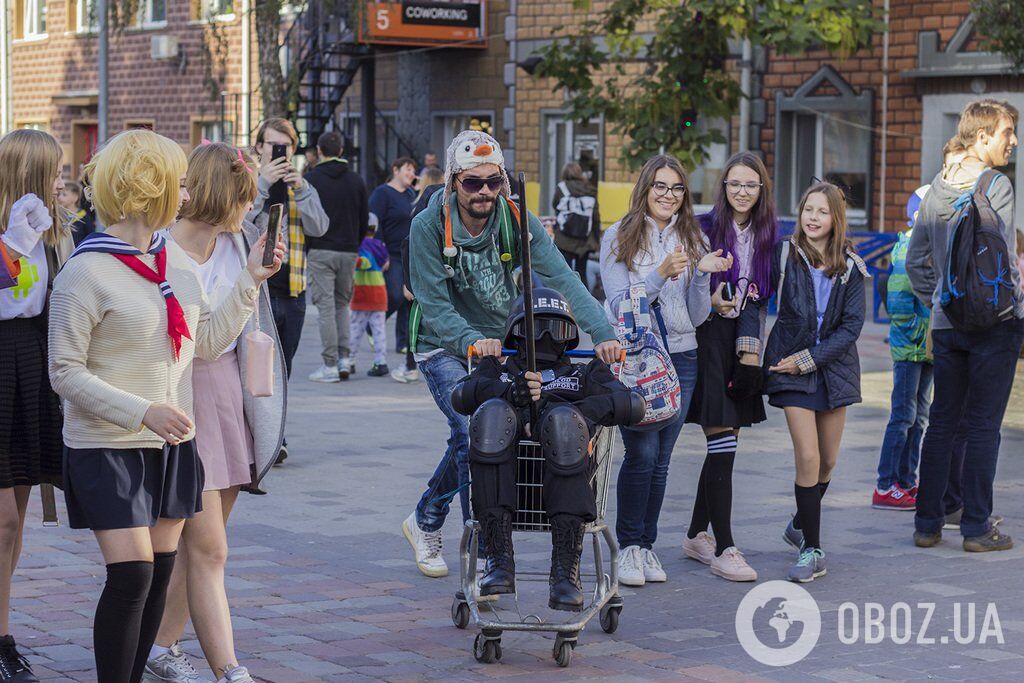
(727, 395)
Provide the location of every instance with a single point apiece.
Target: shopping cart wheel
(487, 648)
(460, 613)
(610, 614)
(563, 651)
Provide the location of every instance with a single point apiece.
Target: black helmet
(551, 314)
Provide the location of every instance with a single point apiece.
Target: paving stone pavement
(323, 587)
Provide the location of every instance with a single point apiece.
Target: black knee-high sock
(163, 564)
(118, 617)
(699, 519)
(822, 488)
(808, 510)
(721, 455)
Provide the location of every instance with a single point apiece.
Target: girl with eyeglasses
(727, 394)
(658, 244)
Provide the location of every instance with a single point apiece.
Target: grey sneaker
(809, 566)
(993, 540)
(172, 667)
(238, 674)
(952, 522)
(793, 536)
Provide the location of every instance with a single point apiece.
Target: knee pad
(564, 440)
(493, 432)
(630, 408)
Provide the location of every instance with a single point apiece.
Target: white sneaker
(405, 376)
(345, 368)
(238, 674)
(701, 547)
(171, 667)
(325, 374)
(653, 572)
(427, 545)
(731, 565)
(631, 566)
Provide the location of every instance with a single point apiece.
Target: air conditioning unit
(164, 47)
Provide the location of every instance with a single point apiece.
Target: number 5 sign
(425, 22)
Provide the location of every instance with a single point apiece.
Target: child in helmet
(570, 400)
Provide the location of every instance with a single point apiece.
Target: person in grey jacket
(238, 435)
(973, 371)
(659, 245)
(811, 362)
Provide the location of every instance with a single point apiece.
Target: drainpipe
(744, 142)
(885, 123)
(6, 115)
(246, 113)
(104, 45)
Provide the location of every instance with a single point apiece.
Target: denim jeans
(908, 419)
(973, 378)
(397, 303)
(644, 472)
(289, 314)
(441, 373)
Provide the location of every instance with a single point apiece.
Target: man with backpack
(961, 262)
(577, 230)
(464, 249)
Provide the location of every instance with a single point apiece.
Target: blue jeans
(901, 446)
(644, 471)
(973, 378)
(441, 373)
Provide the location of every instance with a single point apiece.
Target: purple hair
(718, 227)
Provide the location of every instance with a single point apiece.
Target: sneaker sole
(426, 571)
(733, 577)
(631, 582)
(324, 381)
(878, 506)
(656, 579)
(693, 555)
(815, 575)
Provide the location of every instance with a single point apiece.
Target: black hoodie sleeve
(483, 384)
(606, 399)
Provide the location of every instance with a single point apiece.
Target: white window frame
(146, 19)
(551, 168)
(85, 20)
(206, 7)
(935, 107)
(30, 20)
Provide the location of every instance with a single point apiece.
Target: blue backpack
(977, 292)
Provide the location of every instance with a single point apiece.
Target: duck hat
(469, 149)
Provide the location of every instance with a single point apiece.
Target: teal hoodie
(474, 304)
(908, 317)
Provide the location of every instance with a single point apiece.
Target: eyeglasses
(661, 189)
(735, 187)
(474, 185)
(560, 330)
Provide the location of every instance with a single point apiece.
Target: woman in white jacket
(658, 244)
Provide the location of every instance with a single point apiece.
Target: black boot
(500, 575)
(13, 666)
(566, 547)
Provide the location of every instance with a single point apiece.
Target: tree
(1000, 24)
(655, 90)
(273, 88)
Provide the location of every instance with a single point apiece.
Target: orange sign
(460, 23)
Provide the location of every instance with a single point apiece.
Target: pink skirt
(222, 436)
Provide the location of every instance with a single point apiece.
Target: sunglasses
(474, 185)
(560, 330)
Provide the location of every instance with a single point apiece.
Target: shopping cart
(530, 517)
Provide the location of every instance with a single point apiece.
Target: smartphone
(278, 151)
(728, 292)
(273, 225)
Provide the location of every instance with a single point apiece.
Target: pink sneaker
(701, 547)
(731, 566)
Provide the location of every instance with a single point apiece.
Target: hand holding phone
(273, 227)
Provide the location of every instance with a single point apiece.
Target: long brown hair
(632, 237)
(31, 160)
(834, 258)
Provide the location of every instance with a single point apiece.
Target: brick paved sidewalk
(324, 588)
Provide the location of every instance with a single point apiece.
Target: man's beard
(474, 212)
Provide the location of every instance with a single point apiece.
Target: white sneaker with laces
(631, 566)
(427, 545)
(701, 547)
(405, 376)
(171, 667)
(653, 571)
(237, 674)
(325, 374)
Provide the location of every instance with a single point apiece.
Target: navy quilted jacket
(834, 358)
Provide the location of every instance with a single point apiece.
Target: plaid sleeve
(805, 362)
(748, 345)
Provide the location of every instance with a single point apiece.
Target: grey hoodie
(927, 251)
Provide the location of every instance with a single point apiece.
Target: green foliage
(648, 88)
(1000, 26)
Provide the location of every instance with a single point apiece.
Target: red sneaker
(893, 499)
(912, 491)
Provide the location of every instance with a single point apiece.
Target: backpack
(647, 369)
(575, 214)
(977, 292)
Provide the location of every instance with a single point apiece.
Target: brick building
(156, 71)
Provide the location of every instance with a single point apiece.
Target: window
(29, 19)
(704, 180)
(213, 130)
(153, 12)
(568, 141)
(203, 10)
(824, 134)
(82, 16)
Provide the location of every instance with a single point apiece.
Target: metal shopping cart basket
(530, 517)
